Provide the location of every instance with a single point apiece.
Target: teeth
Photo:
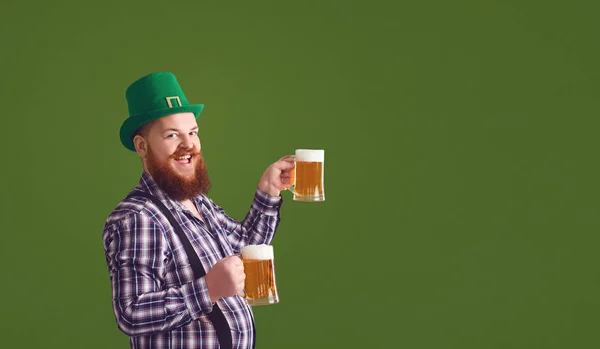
(185, 157)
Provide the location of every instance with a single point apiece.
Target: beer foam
(310, 155)
(257, 252)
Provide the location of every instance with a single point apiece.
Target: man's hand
(277, 177)
(226, 278)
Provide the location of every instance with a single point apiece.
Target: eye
(172, 135)
(193, 133)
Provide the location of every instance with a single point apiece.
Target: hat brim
(132, 124)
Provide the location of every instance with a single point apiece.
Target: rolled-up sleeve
(259, 225)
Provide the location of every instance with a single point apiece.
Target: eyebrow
(195, 128)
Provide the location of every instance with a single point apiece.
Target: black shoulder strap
(187, 245)
(216, 315)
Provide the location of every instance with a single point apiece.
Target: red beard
(177, 187)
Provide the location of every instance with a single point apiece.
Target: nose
(186, 142)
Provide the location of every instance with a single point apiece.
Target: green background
(461, 167)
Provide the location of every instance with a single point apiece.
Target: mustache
(180, 153)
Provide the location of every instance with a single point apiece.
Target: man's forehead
(177, 121)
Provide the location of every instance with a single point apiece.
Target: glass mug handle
(243, 292)
(293, 177)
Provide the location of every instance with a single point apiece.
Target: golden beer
(307, 176)
(260, 287)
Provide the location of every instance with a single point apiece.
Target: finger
(235, 260)
(287, 159)
(239, 276)
(284, 165)
(238, 262)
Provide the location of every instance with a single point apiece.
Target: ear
(141, 146)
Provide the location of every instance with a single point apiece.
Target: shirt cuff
(267, 204)
(196, 297)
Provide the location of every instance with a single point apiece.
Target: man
(170, 250)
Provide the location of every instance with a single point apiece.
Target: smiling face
(170, 151)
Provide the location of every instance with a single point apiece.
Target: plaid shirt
(156, 299)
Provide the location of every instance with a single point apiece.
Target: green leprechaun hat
(151, 97)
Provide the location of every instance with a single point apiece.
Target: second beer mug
(260, 287)
(307, 177)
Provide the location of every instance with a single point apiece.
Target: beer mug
(260, 287)
(307, 176)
